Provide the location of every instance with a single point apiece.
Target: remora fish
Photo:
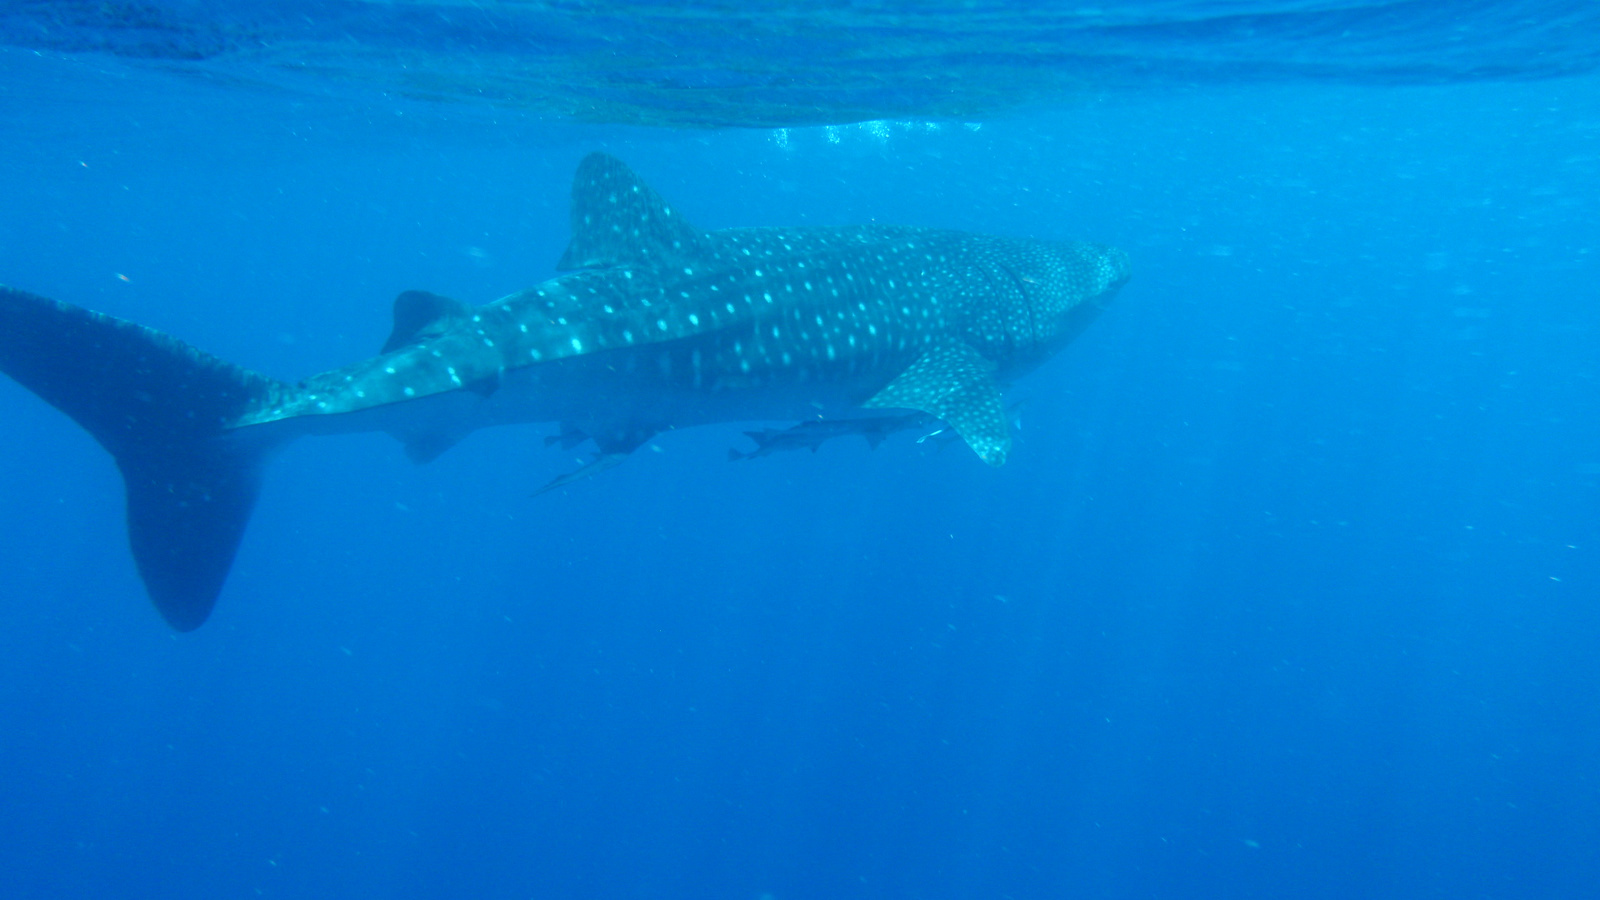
(656, 326)
(812, 434)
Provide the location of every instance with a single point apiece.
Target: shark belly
(618, 394)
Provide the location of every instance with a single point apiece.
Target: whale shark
(651, 325)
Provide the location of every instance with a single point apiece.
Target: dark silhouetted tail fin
(162, 409)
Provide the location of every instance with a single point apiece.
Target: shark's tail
(162, 409)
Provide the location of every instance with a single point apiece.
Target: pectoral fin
(955, 383)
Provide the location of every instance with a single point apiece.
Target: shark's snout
(1115, 268)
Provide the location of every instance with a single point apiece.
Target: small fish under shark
(812, 434)
(656, 325)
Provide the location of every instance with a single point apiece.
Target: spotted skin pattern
(654, 325)
(657, 325)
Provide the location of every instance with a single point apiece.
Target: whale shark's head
(1066, 285)
(1112, 267)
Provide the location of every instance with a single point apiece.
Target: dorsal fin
(419, 315)
(618, 220)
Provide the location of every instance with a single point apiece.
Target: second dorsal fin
(419, 315)
(618, 220)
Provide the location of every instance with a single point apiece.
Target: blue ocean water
(1290, 588)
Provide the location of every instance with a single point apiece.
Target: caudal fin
(162, 409)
